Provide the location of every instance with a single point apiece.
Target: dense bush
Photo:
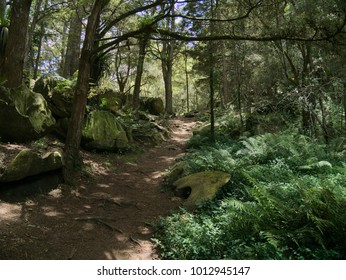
(286, 200)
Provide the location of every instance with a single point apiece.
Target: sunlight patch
(104, 186)
(51, 211)
(10, 212)
(88, 227)
(156, 174)
(56, 193)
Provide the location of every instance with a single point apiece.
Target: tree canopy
(242, 54)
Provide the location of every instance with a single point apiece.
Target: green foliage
(271, 209)
(4, 13)
(65, 86)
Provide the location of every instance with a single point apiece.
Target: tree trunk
(38, 55)
(140, 66)
(71, 59)
(187, 82)
(122, 78)
(73, 139)
(167, 72)
(167, 63)
(225, 81)
(3, 33)
(211, 77)
(29, 56)
(12, 70)
(309, 98)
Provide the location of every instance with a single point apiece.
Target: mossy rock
(153, 105)
(28, 163)
(177, 171)
(46, 83)
(201, 186)
(58, 92)
(103, 131)
(24, 115)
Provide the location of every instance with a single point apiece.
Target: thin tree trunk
(63, 47)
(29, 56)
(122, 79)
(73, 139)
(140, 67)
(72, 55)
(15, 50)
(167, 57)
(211, 78)
(38, 56)
(309, 98)
(167, 71)
(187, 82)
(225, 82)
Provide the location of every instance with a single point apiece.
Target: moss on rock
(29, 162)
(102, 131)
(24, 115)
(200, 186)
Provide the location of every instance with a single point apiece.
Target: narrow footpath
(107, 216)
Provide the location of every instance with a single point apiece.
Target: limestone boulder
(29, 162)
(103, 132)
(58, 92)
(177, 171)
(153, 105)
(24, 115)
(201, 186)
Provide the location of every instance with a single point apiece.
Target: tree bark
(187, 81)
(72, 55)
(122, 78)
(167, 72)
(167, 55)
(211, 77)
(29, 56)
(140, 67)
(12, 70)
(309, 98)
(38, 55)
(73, 139)
(225, 80)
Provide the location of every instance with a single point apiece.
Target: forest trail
(107, 216)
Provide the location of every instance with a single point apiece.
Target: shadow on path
(107, 216)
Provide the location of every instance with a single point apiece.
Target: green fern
(271, 209)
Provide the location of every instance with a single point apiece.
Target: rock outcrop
(24, 115)
(201, 186)
(103, 132)
(58, 92)
(153, 105)
(28, 163)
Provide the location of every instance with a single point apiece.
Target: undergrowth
(286, 200)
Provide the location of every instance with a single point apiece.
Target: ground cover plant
(286, 200)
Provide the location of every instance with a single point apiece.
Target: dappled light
(51, 212)
(131, 129)
(10, 212)
(104, 217)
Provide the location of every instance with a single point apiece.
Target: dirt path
(107, 216)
